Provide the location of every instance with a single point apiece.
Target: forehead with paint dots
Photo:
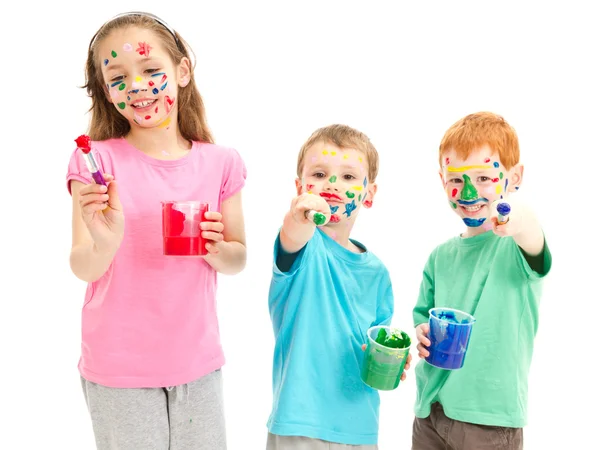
(328, 154)
(129, 46)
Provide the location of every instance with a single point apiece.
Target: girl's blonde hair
(106, 122)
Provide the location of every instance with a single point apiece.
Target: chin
(474, 222)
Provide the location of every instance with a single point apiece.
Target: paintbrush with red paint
(84, 144)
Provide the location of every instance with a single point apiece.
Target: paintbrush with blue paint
(318, 218)
(503, 212)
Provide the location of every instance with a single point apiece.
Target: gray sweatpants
(277, 442)
(186, 417)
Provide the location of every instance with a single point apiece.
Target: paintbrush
(84, 144)
(316, 217)
(503, 212)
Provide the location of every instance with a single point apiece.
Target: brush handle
(92, 166)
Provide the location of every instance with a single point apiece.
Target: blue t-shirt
(321, 310)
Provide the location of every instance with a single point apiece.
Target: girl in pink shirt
(151, 353)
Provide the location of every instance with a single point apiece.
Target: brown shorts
(438, 432)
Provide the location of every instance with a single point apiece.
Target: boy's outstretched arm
(522, 225)
(297, 229)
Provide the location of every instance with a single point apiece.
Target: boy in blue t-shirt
(327, 290)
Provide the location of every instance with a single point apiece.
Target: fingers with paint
(316, 217)
(503, 212)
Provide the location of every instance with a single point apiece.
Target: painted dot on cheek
(495, 180)
(138, 79)
(496, 165)
(486, 160)
(147, 117)
(121, 105)
(150, 83)
(501, 175)
(122, 86)
(155, 91)
(127, 47)
(106, 62)
(454, 192)
(498, 189)
(113, 54)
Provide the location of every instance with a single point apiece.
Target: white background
(270, 74)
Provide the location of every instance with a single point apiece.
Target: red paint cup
(181, 228)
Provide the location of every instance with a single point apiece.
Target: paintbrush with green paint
(318, 218)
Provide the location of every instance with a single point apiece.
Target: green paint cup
(383, 366)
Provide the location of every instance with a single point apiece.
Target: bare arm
(530, 236)
(88, 260)
(523, 226)
(297, 230)
(228, 256)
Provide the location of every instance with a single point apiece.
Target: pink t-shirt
(151, 320)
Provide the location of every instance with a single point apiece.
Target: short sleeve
(235, 175)
(78, 170)
(426, 298)
(546, 262)
(303, 255)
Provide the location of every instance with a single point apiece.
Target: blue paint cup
(449, 333)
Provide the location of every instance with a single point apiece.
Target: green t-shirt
(488, 277)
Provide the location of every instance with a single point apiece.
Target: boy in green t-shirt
(493, 271)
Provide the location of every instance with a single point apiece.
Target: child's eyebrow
(465, 168)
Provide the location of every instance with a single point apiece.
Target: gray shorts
(186, 417)
(277, 442)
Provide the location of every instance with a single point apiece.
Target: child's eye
(319, 175)
(484, 179)
(349, 177)
(455, 180)
(152, 70)
(117, 78)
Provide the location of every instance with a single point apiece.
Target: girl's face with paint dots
(339, 176)
(141, 80)
(473, 184)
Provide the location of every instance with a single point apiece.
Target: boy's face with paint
(473, 184)
(340, 176)
(140, 79)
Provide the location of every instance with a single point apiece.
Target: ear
(184, 72)
(299, 186)
(515, 177)
(371, 191)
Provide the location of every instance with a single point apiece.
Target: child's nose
(331, 183)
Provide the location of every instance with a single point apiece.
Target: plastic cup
(181, 228)
(382, 366)
(449, 333)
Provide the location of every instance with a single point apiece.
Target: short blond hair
(478, 129)
(343, 136)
